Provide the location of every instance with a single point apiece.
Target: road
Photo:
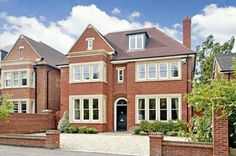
(26, 151)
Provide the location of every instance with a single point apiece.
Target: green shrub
(145, 126)
(88, 130)
(143, 133)
(73, 130)
(169, 128)
(63, 124)
(137, 130)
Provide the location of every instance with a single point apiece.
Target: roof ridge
(129, 30)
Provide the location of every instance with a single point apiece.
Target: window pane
(95, 103)
(95, 69)
(86, 114)
(163, 103)
(141, 103)
(141, 71)
(174, 69)
(86, 104)
(95, 114)
(24, 78)
(152, 114)
(23, 107)
(152, 103)
(77, 109)
(15, 107)
(7, 77)
(90, 44)
(15, 78)
(141, 114)
(139, 41)
(163, 114)
(174, 114)
(175, 103)
(174, 108)
(86, 72)
(120, 75)
(131, 42)
(76, 73)
(77, 114)
(152, 70)
(163, 70)
(77, 104)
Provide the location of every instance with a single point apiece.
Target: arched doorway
(120, 115)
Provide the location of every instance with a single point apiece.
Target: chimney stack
(187, 32)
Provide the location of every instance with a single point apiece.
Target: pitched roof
(225, 61)
(50, 55)
(159, 45)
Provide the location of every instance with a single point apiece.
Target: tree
(6, 107)
(205, 57)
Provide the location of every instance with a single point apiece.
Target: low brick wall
(28, 123)
(160, 147)
(51, 140)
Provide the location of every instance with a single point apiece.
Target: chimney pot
(187, 32)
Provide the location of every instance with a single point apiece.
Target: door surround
(115, 110)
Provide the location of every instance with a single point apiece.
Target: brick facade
(114, 90)
(37, 92)
(28, 123)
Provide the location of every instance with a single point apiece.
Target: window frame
(157, 97)
(178, 68)
(120, 75)
(77, 109)
(145, 72)
(167, 71)
(148, 70)
(90, 43)
(135, 37)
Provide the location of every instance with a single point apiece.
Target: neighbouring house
(223, 66)
(29, 74)
(113, 82)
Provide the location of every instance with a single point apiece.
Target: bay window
(87, 109)
(158, 107)
(87, 72)
(18, 78)
(158, 71)
(20, 106)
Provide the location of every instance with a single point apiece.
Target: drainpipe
(35, 90)
(47, 106)
(187, 61)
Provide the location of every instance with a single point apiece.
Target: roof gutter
(152, 58)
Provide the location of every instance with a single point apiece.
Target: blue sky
(43, 19)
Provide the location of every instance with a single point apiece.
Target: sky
(59, 23)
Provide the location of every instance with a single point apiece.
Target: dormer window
(21, 48)
(89, 43)
(136, 42)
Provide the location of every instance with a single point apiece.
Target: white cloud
(116, 11)
(62, 34)
(133, 15)
(218, 21)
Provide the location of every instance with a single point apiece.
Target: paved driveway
(119, 143)
(25, 151)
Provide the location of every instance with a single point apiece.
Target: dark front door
(121, 118)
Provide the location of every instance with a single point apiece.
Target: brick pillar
(155, 143)
(220, 135)
(52, 139)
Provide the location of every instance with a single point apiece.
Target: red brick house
(113, 82)
(29, 74)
